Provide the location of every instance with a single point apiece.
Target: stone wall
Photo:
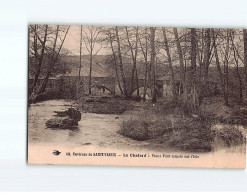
(71, 87)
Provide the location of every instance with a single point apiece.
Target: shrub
(231, 136)
(191, 135)
(190, 140)
(47, 95)
(184, 134)
(145, 127)
(135, 129)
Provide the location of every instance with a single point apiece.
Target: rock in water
(74, 114)
(61, 113)
(71, 112)
(61, 123)
(64, 119)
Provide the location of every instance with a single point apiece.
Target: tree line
(187, 54)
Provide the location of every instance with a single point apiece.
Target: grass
(189, 135)
(192, 135)
(231, 136)
(215, 111)
(135, 129)
(145, 128)
(171, 124)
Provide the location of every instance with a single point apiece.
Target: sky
(72, 43)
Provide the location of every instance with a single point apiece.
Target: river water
(93, 129)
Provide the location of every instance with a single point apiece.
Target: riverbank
(104, 130)
(93, 130)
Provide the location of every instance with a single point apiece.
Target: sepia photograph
(137, 96)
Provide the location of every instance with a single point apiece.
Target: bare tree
(90, 38)
(236, 58)
(204, 51)
(110, 38)
(54, 58)
(153, 64)
(237, 46)
(134, 51)
(121, 63)
(219, 69)
(193, 66)
(144, 50)
(181, 62)
(207, 54)
(80, 52)
(38, 57)
(167, 49)
(227, 55)
(245, 58)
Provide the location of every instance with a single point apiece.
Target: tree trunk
(226, 62)
(240, 81)
(219, 70)
(145, 52)
(134, 56)
(90, 73)
(121, 63)
(80, 54)
(237, 71)
(193, 66)
(181, 62)
(137, 85)
(207, 54)
(152, 63)
(115, 65)
(170, 65)
(245, 59)
(136, 51)
(40, 60)
(53, 60)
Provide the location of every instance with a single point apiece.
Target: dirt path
(94, 129)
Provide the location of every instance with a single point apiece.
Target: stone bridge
(141, 84)
(69, 85)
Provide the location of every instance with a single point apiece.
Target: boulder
(71, 112)
(61, 123)
(74, 114)
(64, 119)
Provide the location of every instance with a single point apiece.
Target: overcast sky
(72, 42)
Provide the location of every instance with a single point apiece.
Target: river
(93, 129)
(98, 132)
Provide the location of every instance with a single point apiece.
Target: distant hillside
(103, 66)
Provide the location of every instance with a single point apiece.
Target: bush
(135, 129)
(194, 135)
(47, 95)
(189, 135)
(179, 126)
(231, 136)
(145, 128)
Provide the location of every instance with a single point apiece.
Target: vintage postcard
(137, 96)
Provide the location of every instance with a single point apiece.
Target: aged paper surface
(137, 96)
